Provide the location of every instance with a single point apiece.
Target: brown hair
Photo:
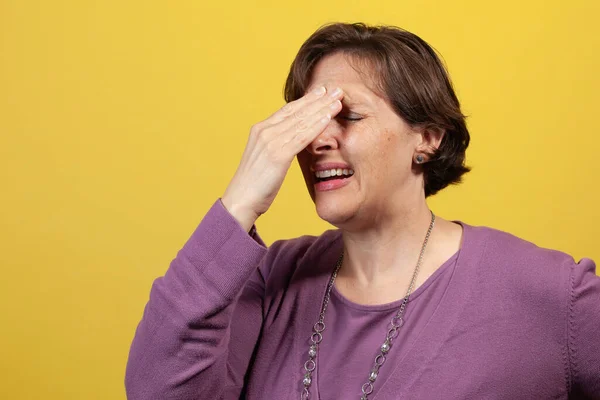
(411, 76)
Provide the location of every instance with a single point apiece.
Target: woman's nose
(326, 141)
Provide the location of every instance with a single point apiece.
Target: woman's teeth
(334, 172)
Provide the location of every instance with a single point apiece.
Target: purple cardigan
(501, 319)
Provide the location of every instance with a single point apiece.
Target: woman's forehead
(341, 67)
(354, 78)
(354, 94)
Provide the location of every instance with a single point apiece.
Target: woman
(394, 304)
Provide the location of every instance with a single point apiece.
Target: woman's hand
(271, 148)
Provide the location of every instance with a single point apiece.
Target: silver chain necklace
(397, 321)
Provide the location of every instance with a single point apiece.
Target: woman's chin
(333, 212)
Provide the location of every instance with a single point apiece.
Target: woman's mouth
(331, 179)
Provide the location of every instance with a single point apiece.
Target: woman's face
(367, 137)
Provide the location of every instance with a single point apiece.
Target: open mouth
(331, 174)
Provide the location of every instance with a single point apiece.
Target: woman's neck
(387, 249)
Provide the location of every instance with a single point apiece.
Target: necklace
(396, 323)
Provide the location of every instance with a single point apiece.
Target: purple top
(501, 319)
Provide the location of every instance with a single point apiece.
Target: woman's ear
(431, 139)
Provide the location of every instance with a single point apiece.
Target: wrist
(246, 218)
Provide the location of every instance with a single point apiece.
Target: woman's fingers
(301, 133)
(295, 106)
(303, 125)
(304, 106)
(271, 148)
(290, 114)
(309, 110)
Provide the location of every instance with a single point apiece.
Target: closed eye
(350, 117)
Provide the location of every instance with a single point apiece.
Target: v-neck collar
(446, 314)
(447, 311)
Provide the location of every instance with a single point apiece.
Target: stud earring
(419, 159)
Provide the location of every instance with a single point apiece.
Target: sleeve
(203, 318)
(584, 331)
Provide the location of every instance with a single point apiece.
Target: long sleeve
(203, 318)
(584, 331)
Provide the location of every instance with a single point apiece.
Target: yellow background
(121, 122)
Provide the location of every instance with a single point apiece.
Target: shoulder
(543, 292)
(518, 269)
(503, 249)
(284, 256)
(523, 273)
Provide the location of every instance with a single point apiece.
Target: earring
(419, 159)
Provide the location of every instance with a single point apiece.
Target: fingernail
(326, 119)
(336, 92)
(335, 105)
(320, 91)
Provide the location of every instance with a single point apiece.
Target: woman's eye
(350, 117)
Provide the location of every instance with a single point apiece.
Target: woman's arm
(203, 318)
(584, 331)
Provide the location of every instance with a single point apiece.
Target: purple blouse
(231, 319)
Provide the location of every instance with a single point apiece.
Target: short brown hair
(410, 74)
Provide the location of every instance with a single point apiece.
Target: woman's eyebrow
(348, 99)
(350, 102)
(357, 100)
